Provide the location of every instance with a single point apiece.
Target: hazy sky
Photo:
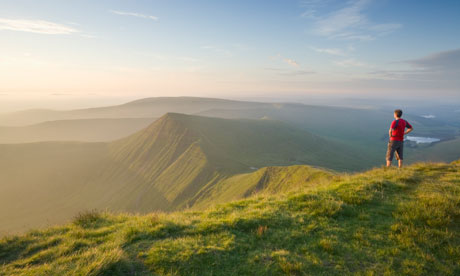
(130, 49)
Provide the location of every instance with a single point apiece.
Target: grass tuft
(87, 218)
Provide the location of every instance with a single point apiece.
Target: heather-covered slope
(381, 222)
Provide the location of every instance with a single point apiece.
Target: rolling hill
(380, 222)
(143, 108)
(83, 130)
(363, 130)
(172, 164)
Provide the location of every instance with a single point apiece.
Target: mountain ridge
(172, 164)
(143, 108)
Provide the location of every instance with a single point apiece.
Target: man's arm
(389, 132)
(409, 128)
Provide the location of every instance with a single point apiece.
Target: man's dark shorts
(395, 146)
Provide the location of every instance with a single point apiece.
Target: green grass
(380, 222)
(268, 180)
(171, 165)
(439, 152)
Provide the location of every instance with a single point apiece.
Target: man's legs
(390, 153)
(399, 154)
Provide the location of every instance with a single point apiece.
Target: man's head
(398, 113)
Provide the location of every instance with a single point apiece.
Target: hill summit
(384, 221)
(179, 161)
(182, 156)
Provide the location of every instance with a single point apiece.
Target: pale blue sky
(133, 49)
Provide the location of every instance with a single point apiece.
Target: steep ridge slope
(180, 155)
(174, 163)
(168, 158)
(384, 221)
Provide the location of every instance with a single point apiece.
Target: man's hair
(398, 113)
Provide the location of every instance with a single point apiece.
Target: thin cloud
(135, 14)
(296, 73)
(353, 36)
(162, 57)
(347, 23)
(35, 26)
(291, 62)
(441, 66)
(395, 74)
(312, 7)
(351, 63)
(329, 51)
(441, 61)
(284, 72)
(216, 50)
(286, 60)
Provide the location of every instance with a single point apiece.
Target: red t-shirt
(397, 132)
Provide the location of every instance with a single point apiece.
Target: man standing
(397, 132)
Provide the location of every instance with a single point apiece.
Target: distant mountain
(84, 130)
(176, 162)
(144, 108)
(362, 129)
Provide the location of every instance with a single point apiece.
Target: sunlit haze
(88, 53)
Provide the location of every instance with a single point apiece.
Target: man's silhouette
(396, 133)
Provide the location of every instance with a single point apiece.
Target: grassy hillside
(83, 130)
(176, 162)
(381, 222)
(445, 151)
(268, 180)
(44, 183)
(365, 130)
(184, 157)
